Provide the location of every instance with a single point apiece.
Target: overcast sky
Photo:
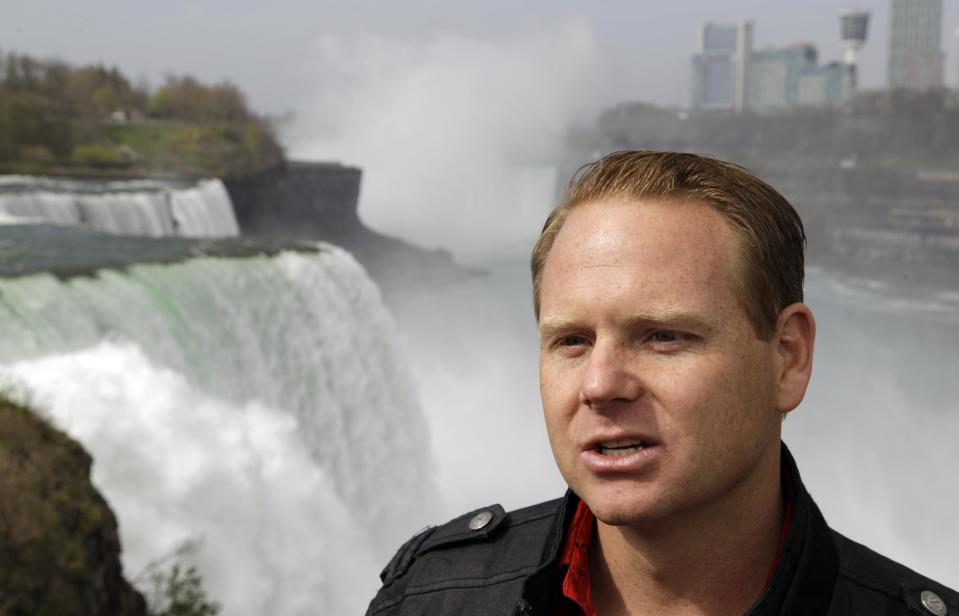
(411, 91)
(268, 49)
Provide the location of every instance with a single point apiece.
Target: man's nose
(609, 377)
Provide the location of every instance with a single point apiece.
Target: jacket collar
(803, 580)
(808, 566)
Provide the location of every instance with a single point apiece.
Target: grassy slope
(213, 149)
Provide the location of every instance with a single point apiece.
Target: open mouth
(620, 448)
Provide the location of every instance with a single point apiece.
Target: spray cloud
(457, 135)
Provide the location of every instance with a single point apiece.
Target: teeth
(620, 444)
(620, 448)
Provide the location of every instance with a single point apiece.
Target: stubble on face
(644, 336)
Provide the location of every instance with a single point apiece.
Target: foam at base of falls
(298, 346)
(178, 465)
(147, 207)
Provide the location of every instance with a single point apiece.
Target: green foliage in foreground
(179, 592)
(172, 590)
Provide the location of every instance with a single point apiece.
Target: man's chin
(636, 510)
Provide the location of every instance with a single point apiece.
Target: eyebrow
(668, 318)
(549, 326)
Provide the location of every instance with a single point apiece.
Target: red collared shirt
(575, 597)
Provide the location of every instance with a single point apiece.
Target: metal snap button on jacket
(933, 602)
(480, 520)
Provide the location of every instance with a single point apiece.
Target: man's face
(658, 395)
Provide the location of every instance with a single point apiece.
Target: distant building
(915, 44)
(853, 28)
(786, 77)
(825, 86)
(729, 76)
(955, 59)
(774, 82)
(721, 67)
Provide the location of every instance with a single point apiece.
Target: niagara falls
(273, 277)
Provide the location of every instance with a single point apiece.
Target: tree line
(55, 114)
(898, 129)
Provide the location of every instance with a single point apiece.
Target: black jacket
(505, 565)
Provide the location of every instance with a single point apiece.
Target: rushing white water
(203, 210)
(875, 436)
(141, 207)
(259, 404)
(178, 465)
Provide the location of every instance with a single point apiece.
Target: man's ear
(794, 338)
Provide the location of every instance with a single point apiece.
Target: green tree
(179, 593)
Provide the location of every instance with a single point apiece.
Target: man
(673, 341)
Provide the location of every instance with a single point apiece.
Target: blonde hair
(768, 230)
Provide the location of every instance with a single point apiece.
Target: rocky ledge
(58, 537)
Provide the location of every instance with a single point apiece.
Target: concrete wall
(299, 200)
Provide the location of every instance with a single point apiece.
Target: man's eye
(572, 341)
(665, 336)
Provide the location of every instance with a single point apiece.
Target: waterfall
(134, 207)
(256, 404)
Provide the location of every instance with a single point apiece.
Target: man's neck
(711, 562)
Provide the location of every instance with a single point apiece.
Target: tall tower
(721, 67)
(955, 60)
(744, 53)
(915, 44)
(853, 26)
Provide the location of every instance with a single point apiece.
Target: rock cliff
(58, 537)
(318, 201)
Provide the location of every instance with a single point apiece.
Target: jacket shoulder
(476, 561)
(879, 584)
